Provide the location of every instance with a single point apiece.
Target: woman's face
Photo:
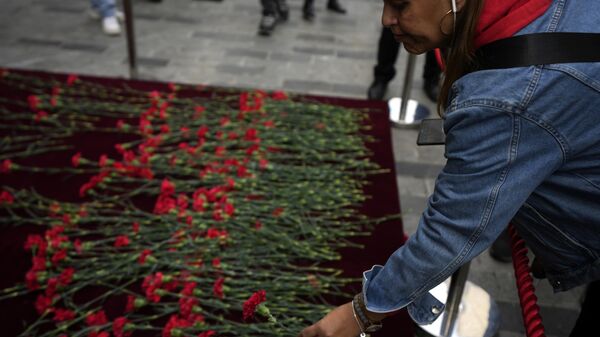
(416, 23)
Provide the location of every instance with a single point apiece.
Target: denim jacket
(522, 146)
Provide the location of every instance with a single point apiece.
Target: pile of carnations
(178, 211)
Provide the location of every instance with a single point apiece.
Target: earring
(442, 21)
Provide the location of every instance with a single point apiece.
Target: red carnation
(72, 79)
(61, 315)
(6, 197)
(75, 159)
(6, 166)
(218, 287)
(118, 327)
(98, 318)
(43, 303)
(144, 255)
(250, 305)
(121, 241)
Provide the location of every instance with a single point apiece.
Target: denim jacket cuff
(423, 310)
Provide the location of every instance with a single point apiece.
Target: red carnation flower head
(121, 241)
(61, 315)
(75, 159)
(6, 198)
(251, 304)
(97, 318)
(6, 166)
(218, 287)
(118, 327)
(72, 79)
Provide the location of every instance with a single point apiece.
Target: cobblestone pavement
(215, 43)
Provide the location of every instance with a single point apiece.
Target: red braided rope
(529, 307)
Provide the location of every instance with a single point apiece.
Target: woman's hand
(338, 323)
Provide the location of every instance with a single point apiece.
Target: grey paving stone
(181, 19)
(316, 37)
(418, 170)
(39, 42)
(86, 47)
(151, 61)
(349, 89)
(235, 69)
(231, 37)
(289, 57)
(306, 86)
(70, 9)
(314, 50)
(258, 54)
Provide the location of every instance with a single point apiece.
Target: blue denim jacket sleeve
(495, 159)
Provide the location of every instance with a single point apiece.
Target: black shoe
(377, 90)
(334, 6)
(500, 250)
(432, 89)
(267, 24)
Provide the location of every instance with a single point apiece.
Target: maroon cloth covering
(383, 241)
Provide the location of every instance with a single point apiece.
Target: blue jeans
(106, 8)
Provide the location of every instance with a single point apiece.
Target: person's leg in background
(308, 10)
(107, 12)
(335, 6)
(587, 322)
(273, 11)
(384, 70)
(431, 76)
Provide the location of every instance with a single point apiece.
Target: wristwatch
(359, 310)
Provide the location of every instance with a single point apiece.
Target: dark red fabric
(384, 240)
(503, 18)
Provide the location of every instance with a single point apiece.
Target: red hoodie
(503, 18)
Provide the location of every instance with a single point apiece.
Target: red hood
(503, 18)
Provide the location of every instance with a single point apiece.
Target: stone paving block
(357, 54)
(349, 89)
(235, 69)
(85, 47)
(151, 61)
(314, 51)
(418, 170)
(257, 54)
(289, 57)
(306, 86)
(325, 38)
(39, 42)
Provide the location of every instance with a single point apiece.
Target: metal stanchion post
(470, 311)
(406, 112)
(131, 56)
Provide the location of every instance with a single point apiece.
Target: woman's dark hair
(460, 55)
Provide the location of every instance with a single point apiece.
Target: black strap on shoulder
(539, 49)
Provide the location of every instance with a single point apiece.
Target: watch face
(373, 328)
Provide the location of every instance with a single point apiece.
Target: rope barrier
(526, 290)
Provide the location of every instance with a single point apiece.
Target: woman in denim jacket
(522, 146)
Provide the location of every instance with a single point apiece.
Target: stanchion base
(415, 113)
(478, 314)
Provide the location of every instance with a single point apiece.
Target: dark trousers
(387, 54)
(272, 7)
(587, 322)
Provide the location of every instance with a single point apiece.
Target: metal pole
(408, 78)
(131, 56)
(455, 292)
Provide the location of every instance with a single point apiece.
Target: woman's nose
(388, 17)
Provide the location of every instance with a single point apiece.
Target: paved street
(215, 43)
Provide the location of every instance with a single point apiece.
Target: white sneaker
(111, 26)
(95, 15)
